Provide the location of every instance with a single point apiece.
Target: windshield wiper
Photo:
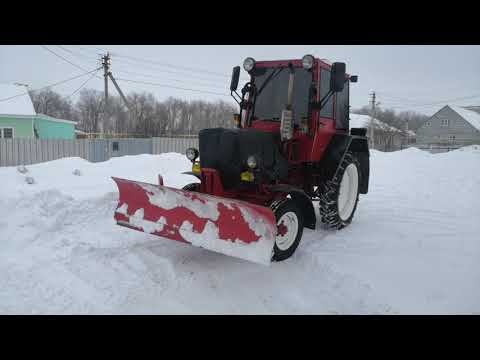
(270, 77)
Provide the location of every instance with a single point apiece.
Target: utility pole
(372, 123)
(106, 70)
(406, 132)
(106, 62)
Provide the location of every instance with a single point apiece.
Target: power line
(171, 86)
(91, 51)
(183, 68)
(52, 85)
(84, 83)
(158, 63)
(170, 65)
(156, 69)
(77, 54)
(440, 102)
(64, 59)
(417, 104)
(61, 57)
(213, 85)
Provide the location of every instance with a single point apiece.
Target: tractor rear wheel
(339, 196)
(289, 219)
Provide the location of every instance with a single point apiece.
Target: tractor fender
(358, 145)
(303, 200)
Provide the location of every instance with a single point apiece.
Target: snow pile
(95, 179)
(412, 248)
(470, 148)
(363, 121)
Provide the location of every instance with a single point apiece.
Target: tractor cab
(303, 102)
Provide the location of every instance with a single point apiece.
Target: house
(387, 137)
(451, 126)
(18, 118)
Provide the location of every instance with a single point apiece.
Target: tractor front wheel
(339, 197)
(289, 229)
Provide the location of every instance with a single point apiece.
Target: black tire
(191, 187)
(288, 206)
(329, 193)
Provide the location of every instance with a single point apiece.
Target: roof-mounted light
(249, 64)
(307, 62)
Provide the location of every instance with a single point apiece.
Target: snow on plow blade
(231, 227)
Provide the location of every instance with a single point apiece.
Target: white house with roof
(18, 118)
(452, 126)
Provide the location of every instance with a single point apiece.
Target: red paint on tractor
(231, 223)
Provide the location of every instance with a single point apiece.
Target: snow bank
(95, 179)
(412, 248)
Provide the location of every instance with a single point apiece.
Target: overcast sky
(404, 77)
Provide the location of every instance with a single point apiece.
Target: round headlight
(191, 154)
(248, 64)
(252, 162)
(307, 62)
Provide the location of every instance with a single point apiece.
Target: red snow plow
(291, 147)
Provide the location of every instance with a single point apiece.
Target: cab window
(327, 110)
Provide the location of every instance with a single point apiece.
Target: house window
(452, 137)
(115, 146)
(6, 133)
(445, 122)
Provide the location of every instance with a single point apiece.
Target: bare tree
(50, 103)
(90, 110)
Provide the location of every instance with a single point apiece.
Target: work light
(248, 64)
(252, 162)
(191, 154)
(307, 62)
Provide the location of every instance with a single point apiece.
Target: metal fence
(15, 152)
(435, 149)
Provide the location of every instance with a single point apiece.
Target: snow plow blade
(231, 227)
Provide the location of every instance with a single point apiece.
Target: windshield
(273, 98)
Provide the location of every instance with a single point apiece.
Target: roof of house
(363, 121)
(473, 108)
(470, 116)
(46, 117)
(14, 100)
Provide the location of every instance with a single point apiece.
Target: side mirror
(338, 76)
(235, 78)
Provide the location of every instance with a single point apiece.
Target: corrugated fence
(15, 152)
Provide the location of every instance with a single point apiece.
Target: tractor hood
(227, 151)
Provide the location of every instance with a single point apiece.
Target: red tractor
(291, 147)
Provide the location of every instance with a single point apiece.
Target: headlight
(307, 62)
(248, 64)
(252, 162)
(191, 154)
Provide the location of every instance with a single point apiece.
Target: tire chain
(327, 194)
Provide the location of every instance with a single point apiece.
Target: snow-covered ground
(413, 247)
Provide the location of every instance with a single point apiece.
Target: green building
(18, 118)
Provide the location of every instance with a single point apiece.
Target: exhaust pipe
(286, 124)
